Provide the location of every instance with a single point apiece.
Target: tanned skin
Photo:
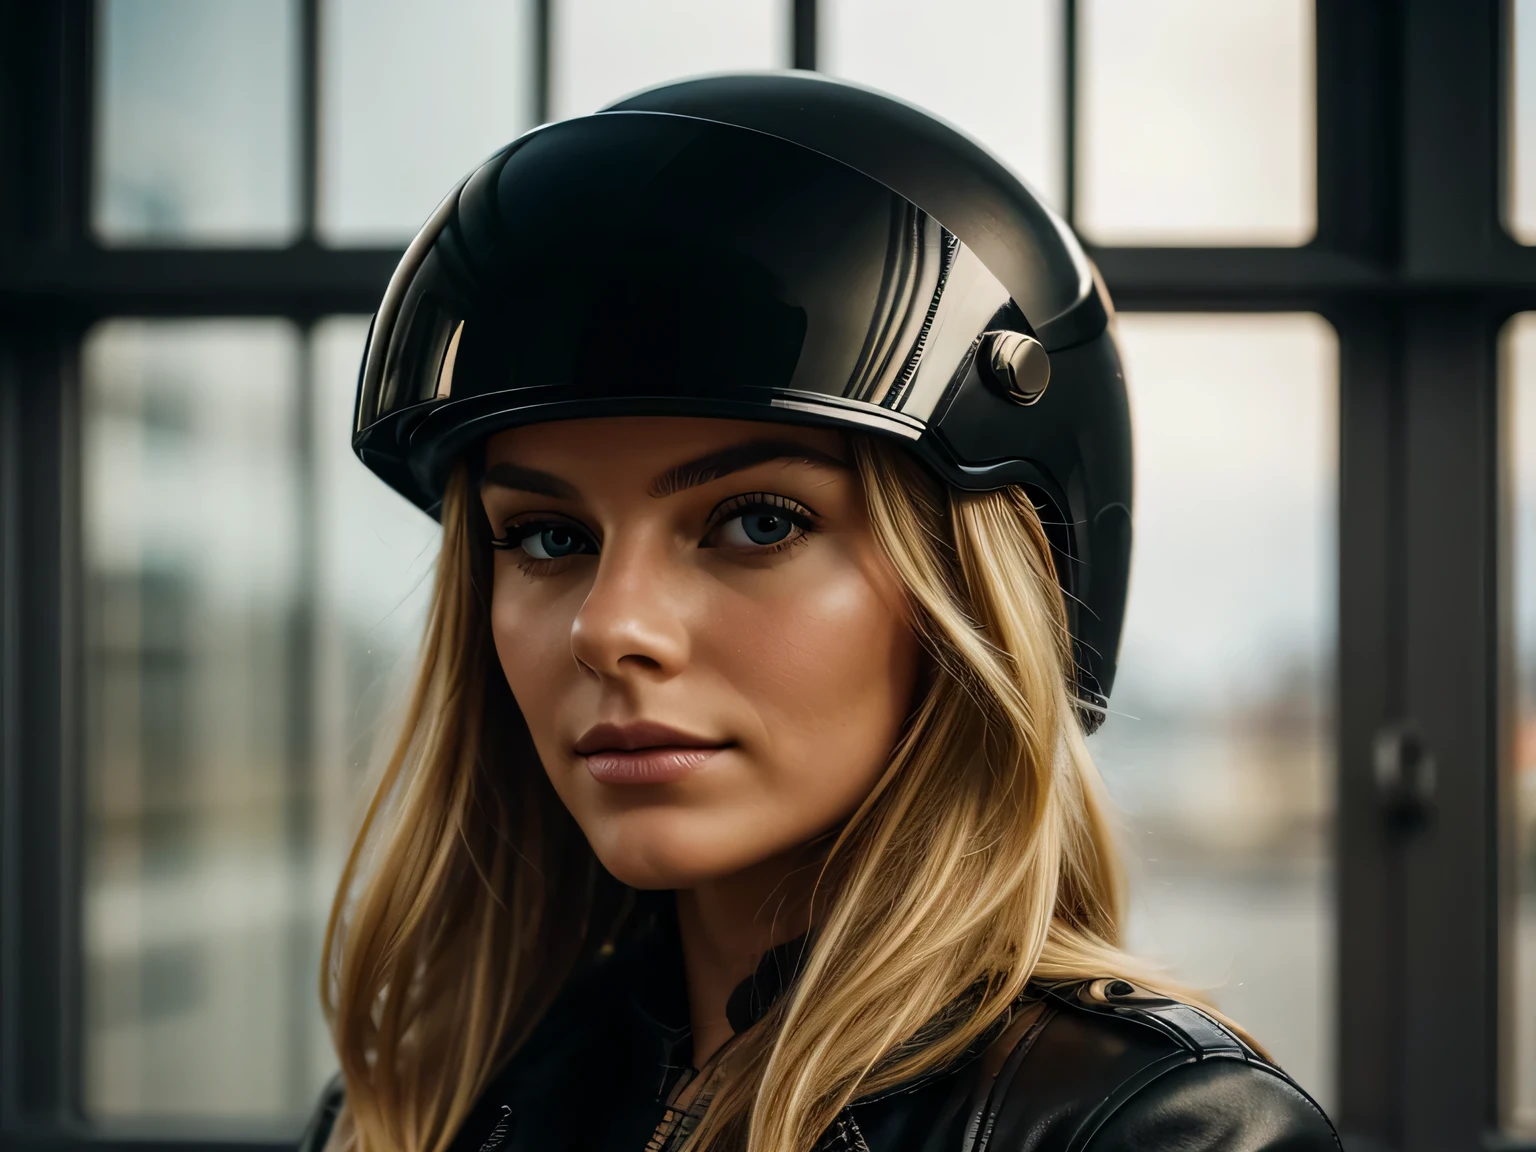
(712, 655)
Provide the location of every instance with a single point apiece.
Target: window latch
(1405, 773)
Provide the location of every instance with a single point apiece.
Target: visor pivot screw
(1015, 364)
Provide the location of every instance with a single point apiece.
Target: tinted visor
(642, 263)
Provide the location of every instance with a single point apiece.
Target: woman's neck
(726, 925)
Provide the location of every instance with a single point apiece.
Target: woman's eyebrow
(734, 459)
(528, 480)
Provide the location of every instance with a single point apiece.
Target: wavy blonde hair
(981, 860)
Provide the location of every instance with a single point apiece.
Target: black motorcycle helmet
(778, 247)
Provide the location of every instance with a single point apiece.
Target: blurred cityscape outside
(1519, 368)
(1219, 748)
(252, 613)
(1195, 124)
(254, 596)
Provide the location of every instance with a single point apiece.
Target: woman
(743, 802)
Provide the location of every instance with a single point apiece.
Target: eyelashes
(762, 522)
(547, 539)
(545, 546)
(752, 524)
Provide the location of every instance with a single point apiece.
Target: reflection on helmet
(769, 247)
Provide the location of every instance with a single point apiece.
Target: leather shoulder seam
(1085, 1135)
(1124, 1092)
(991, 1090)
(1184, 1024)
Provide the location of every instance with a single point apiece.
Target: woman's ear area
(886, 580)
(907, 512)
(466, 531)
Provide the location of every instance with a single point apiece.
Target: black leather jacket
(1088, 1067)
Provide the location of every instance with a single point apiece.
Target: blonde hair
(982, 859)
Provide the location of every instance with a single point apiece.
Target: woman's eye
(757, 527)
(551, 541)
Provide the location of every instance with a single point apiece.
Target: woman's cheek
(831, 671)
(533, 646)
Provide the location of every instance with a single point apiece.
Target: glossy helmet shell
(778, 247)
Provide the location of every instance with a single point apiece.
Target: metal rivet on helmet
(1016, 365)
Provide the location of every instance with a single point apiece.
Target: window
(1196, 122)
(1520, 794)
(411, 98)
(1219, 744)
(250, 604)
(191, 516)
(196, 120)
(601, 50)
(1296, 205)
(1520, 190)
(1002, 80)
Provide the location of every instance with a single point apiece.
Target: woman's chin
(657, 870)
(650, 875)
(652, 853)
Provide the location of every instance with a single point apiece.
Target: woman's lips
(646, 765)
(643, 752)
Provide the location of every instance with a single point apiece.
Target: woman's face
(709, 648)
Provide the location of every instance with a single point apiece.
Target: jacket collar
(776, 971)
(651, 969)
(657, 993)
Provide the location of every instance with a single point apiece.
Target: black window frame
(1410, 264)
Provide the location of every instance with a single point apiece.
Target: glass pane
(413, 96)
(1520, 207)
(375, 559)
(1000, 79)
(1196, 122)
(192, 545)
(603, 49)
(1219, 744)
(236, 644)
(1520, 425)
(196, 121)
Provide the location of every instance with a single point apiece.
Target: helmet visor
(651, 264)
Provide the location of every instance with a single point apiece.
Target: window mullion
(1449, 490)
(1368, 698)
(39, 892)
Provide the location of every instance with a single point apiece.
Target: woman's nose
(633, 619)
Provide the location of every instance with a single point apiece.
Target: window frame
(1411, 265)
